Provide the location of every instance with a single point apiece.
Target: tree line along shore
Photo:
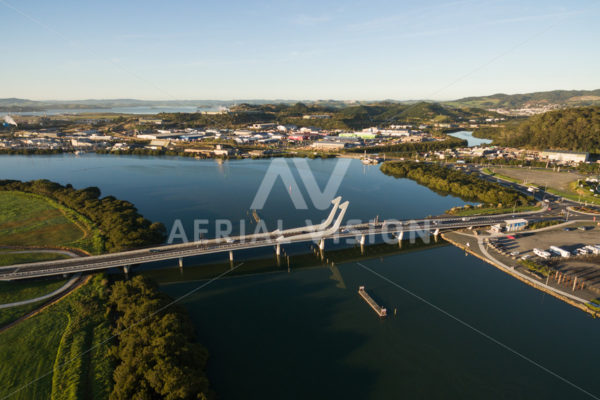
(110, 337)
(459, 183)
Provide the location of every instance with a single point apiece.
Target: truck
(542, 253)
(561, 252)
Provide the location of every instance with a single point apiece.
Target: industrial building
(328, 145)
(565, 156)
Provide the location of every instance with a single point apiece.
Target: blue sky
(296, 49)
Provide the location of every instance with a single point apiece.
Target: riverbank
(474, 245)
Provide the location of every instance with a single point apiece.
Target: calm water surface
(307, 334)
(471, 140)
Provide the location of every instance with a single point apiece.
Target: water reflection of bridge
(301, 258)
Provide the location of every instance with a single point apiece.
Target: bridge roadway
(211, 246)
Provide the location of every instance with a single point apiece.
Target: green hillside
(576, 129)
(568, 98)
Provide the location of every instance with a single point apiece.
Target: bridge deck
(212, 246)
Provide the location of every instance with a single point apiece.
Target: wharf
(382, 312)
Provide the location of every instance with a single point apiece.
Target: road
(169, 252)
(553, 209)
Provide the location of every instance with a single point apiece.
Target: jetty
(382, 312)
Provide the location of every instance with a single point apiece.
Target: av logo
(320, 199)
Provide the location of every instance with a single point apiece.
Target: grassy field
(492, 210)
(28, 221)
(8, 258)
(9, 315)
(11, 292)
(35, 221)
(49, 346)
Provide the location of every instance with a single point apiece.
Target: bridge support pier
(322, 244)
(230, 256)
(362, 240)
(126, 269)
(400, 237)
(278, 249)
(180, 262)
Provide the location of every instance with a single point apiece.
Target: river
(471, 140)
(461, 328)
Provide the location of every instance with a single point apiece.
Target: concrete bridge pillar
(362, 240)
(322, 244)
(400, 237)
(230, 255)
(180, 262)
(126, 269)
(436, 232)
(574, 284)
(278, 249)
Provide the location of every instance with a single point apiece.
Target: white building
(243, 132)
(267, 125)
(565, 156)
(514, 225)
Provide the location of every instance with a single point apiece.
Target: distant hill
(440, 112)
(576, 129)
(16, 104)
(564, 98)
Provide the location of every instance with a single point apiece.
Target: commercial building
(565, 156)
(513, 225)
(327, 145)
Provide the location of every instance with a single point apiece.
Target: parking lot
(525, 242)
(585, 268)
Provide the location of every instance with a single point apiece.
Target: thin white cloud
(539, 17)
(305, 19)
(383, 23)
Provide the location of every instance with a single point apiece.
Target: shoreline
(533, 284)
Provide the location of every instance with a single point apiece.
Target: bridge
(319, 233)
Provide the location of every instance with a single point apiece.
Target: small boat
(368, 160)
